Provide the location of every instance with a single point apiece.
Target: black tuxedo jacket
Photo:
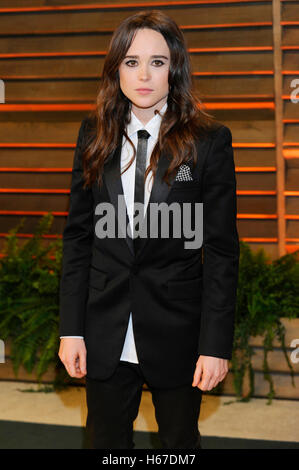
(182, 303)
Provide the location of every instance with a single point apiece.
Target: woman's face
(149, 69)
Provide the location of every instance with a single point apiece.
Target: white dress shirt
(128, 182)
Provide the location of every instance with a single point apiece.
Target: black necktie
(143, 135)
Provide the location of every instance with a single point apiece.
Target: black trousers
(113, 406)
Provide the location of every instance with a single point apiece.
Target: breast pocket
(182, 191)
(189, 289)
(185, 185)
(97, 279)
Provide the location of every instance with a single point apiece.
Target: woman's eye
(127, 63)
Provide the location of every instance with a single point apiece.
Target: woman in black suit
(133, 309)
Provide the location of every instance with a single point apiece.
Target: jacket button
(134, 268)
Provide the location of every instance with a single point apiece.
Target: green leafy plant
(29, 303)
(267, 291)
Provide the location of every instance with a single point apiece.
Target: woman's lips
(144, 91)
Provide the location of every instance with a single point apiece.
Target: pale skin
(149, 68)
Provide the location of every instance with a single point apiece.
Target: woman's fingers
(72, 354)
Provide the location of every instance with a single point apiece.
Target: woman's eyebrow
(154, 56)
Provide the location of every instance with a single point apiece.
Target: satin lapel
(112, 179)
(159, 192)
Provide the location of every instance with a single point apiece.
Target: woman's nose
(144, 72)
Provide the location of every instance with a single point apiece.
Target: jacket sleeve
(220, 249)
(77, 248)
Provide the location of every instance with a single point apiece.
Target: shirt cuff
(72, 337)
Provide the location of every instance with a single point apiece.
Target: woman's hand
(72, 353)
(209, 372)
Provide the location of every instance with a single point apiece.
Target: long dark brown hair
(182, 123)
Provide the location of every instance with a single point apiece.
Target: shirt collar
(152, 126)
